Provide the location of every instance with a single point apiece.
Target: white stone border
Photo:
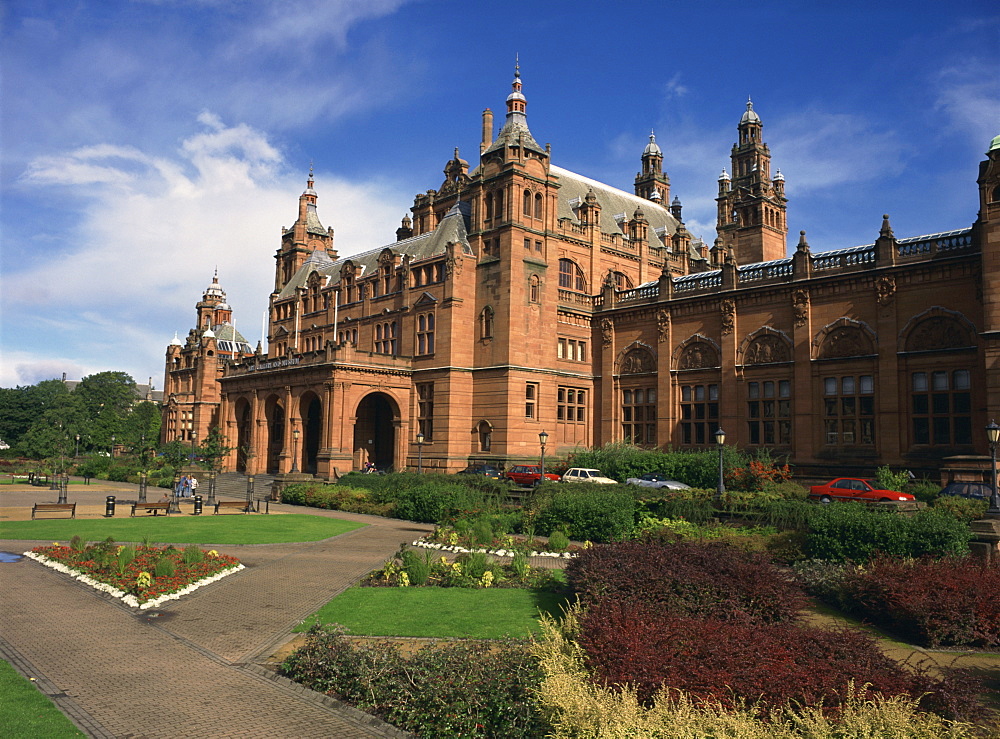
(127, 598)
(496, 552)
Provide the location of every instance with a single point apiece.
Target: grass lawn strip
(127, 598)
(222, 529)
(25, 713)
(487, 613)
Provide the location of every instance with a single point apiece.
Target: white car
(656, 480)
(583, 474)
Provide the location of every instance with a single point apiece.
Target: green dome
(995, 143)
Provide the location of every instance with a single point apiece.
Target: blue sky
(147, 142)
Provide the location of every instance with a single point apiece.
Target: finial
(517, 66)
(749, 103)
(803, 245)
(886, 229)
(456, 152)
(652, 136)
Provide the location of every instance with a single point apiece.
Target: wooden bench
(154, 507)
(240, 505)
(55, 507)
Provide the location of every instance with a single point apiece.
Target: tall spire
(515, 129)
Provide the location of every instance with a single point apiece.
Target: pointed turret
(305, 236)
(515, 137)
(652, 182)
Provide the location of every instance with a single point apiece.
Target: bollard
(62, 493)
(197, 505)
(109, 507)
(142, 488)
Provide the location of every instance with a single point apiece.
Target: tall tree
(106, 400)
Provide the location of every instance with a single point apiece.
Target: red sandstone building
(521, 297)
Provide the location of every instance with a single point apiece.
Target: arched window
(489, 206)
(571, 276)
(485, 436)
(538, 206)
(486, 323)
(622, 281)
(527, 203)
(534, 289)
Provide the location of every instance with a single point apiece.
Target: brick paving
(191, 668)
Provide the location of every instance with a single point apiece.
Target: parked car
(975, 490)
(529, 474)
(486, 470)
(583, 474)
(656, 480)
(854, 488)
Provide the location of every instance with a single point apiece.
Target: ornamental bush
(730, 663)
(458, 688)
(690, 579)
(852, 531)
(943, 602)
(585, 511)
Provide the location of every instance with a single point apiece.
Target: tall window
(486, 323)
(639, 416)
(849, 410)
(531, 400)
(769, 412)
(425, 409)
(425, 333)
(527, 203)
(699, 413)
(538, 206)
(571, 405)
(385, 338)
(571, 276)
(941, 404)
(534, 289)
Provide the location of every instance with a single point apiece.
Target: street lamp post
(295, 450)
(720, 441)
(420, 452)
(194, 439)
(542, 438)
(112, 453)
(993, 434)
(76, 454)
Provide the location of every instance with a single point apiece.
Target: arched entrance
(274, 412)
(311, 413)
(375, 431)
(244, 433)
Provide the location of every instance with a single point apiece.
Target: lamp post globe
(420, 452)
(720, 441)
(542, 438)
(295, 450)
(993, 436)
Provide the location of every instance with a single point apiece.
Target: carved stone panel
(728, 310)
(637, 361)
(766, 349)
(662, 326)
(845, 341)
(939, 332)
(698, 355)
(606, 329)
(800, 305)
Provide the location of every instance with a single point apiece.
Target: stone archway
(274, 412)
(311, 413)
(375, 431)
(244, 433)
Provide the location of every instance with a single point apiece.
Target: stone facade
(520, 297)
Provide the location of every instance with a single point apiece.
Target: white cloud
(970, 95)
(146, 246)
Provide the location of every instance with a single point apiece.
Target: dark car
(529, 474)
(486, 470)
(974, 490)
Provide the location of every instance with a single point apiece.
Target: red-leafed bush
(935, 602)
(632, 643)
(687, 579)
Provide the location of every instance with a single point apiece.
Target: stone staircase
(234, 485)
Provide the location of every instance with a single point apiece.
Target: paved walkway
(191, 668)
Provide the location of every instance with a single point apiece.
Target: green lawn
(438, 612)
(229, 528)
(25, 712)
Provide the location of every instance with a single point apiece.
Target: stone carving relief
(800, 306)
(766, 349)
(728, 309)
(845, 341)
(698, 355)
(637, 361)
(606, 330)
(662, 325)
(885, 290)
(938, 332)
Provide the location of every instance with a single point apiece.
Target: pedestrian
(179, 488)
(194, 485)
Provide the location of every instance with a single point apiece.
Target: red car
(528, 474)
(854, 488)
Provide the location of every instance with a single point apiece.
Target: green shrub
(621, 460)
(852, 531)
(889, 480)
(923, 490)
(558, 541)
(587, 512)
(691, 505)
(964, 509)
(193, 554)
(164, 567)
(417, 566)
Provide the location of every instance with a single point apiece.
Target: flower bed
(140, 576)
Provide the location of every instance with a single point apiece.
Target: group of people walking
(187, 486)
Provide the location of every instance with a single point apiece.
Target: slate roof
(452, 228)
